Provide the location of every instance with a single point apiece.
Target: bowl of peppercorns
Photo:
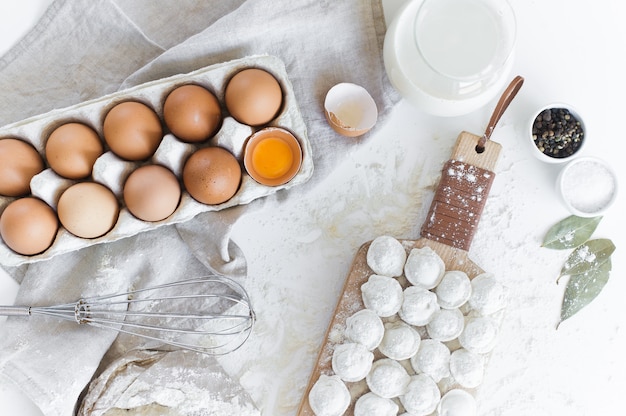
(557, 133)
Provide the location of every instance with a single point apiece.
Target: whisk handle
(14, 310)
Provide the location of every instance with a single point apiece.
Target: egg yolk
(272, 158)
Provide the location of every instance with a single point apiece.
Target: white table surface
(567, 51)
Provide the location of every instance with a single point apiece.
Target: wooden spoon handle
(503, 103)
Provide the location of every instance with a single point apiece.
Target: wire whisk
(211, 314)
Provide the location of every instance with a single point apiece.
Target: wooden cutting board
(448, 229)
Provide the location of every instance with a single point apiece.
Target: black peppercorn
(557, 133)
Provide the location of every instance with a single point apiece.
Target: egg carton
(112, 171)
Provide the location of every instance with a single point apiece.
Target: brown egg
(72, 150)
(28, 226)
(253, 97)
(19, 162)
(212, 175)
(152, 193)
(132, 130)
(88, 209)
(192, 113)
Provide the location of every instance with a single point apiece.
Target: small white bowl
(587, 186)
(539, 153)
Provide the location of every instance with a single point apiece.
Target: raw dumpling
(329, 396)
(479, 334)
(387, 378)
(457, 402)
(454, 289)
(382, 294)
(352, 361)
(365, 327)
(386, 256)
(371, 404)
(432, 358)
(467, 368)
(418, 306)
(424, 268)
(422, 396)
(446, 325)
(400, 341)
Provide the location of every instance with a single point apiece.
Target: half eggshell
(350, 109)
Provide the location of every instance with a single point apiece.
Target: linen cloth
(83, 49)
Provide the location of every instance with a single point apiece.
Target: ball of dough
(387, 378)
(352, 361)
(329, 396)
(371, 404)
(432, 358)
(488, 295)
(446, 325)
(479, 334)
(467, 368)
(418, 306)
(386, 256)
(454, 289)
(400, 341)
(365, 327)
(457, 402)
(382, 294)
(424, 267)
(422, 396)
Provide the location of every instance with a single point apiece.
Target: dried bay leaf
(587, 257)
(570, 232)
(583, 288)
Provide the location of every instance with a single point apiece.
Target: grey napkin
(82, 49)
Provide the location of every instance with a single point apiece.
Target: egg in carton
(236, 137)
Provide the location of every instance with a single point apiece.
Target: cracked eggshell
(350, 109)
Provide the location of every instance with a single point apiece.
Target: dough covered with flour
(400, 342)
(479, 335)
(422, 396)
(457, 402)
(418, 306)
(382, 294)
(370, 404)
(488, 295)
(446, 325)
(432, 358)
(366, 328)
(467, 368)
(329, 396)
(386, 256)
(352, 361)
(387, 378)
(424, 267)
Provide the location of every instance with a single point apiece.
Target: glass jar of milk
(450, 57)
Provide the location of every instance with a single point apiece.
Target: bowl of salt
(587, 186)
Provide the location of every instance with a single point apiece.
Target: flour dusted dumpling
(479, 334)
(386, 256)
(457, 402)
(424, 267)
(488, 295)
(422, 396)
(366, 328)
(454, 289)
(446, 325)
(370, 404)
(382, 294)
(400, 341)
(329, 396)
(467, 368)
(352, 361)
(418, 306)
(432, 358)
(387, 378)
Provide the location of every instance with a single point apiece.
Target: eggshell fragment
(19, 162)
(152, 193)
(192, 113)
(28, 226)
(350, 109)
(88, 209)
(132, 130)
(72, 150)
